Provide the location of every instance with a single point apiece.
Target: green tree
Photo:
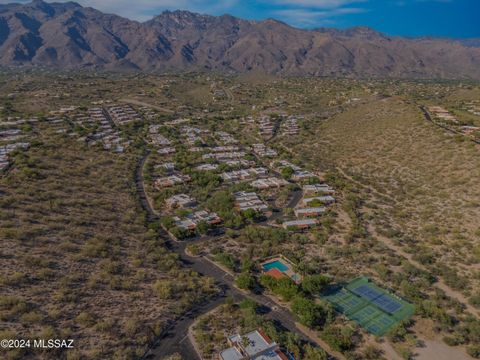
(314, 284)
(339, 338)
(287, 172)
(308, 313)
(203, 227)
(312, 353)
(246, 281)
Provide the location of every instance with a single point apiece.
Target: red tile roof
(265, 336)
(281, 355)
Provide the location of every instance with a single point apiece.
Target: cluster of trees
(284, 287)
(223, 203)
(340, 338)
(287, 172)
(467, 333)
(309, 312)
(226, 259)
(247, 317)
(169, 224)
(246, 281)
(263, 237)
(312, 314)
(206, 180)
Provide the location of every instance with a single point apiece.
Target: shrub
(314, 284)
(308, 313)
(312, 353)
(163, 289)
(85, 319)
(227, 260)
(246, 281)
(340, 339)
(474, 351)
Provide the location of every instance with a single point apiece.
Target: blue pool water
(277, 264)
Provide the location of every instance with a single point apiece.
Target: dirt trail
(440, 351)
(368, 187)
(141, 103)
(439, 284)
(398, 250)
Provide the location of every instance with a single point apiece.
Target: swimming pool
(277, 264)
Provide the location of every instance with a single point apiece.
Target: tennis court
(371, 307)
(343, 301)
(384, 301)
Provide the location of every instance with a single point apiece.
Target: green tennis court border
(366, 313)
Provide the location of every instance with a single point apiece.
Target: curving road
(175, 339)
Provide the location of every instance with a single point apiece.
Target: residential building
(263, 151)
(206, 167)
(169, 166)
(290, 126)
(166, 151)
(209, 217)
(180, 200)
(158, 140)
(310, 211)
(255, 345)
(268, 183)
(238, 163)
(300, 224)
(323, 199)
(284, 163)
(224, 155)
(122, 114)
(299, 175)
(249, 200)
(245, 174)
(172, 180)
(191, 221)
(318, 188)
(226, 138)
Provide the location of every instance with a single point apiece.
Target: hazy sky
(452, 18)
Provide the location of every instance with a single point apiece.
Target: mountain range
(67, 35)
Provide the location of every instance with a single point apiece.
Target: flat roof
(231, 354)
(311, 210)
(257, 343)
(300, 222)
(321, 198)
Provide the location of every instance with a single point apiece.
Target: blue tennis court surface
(387, 304)
(370, 306)
(367, 292)
(379, 298)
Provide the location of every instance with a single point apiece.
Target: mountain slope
(70, 36)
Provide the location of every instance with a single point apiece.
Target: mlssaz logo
(53, 344)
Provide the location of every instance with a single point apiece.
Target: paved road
(429, 118)
(175, 339)
(297, 196)
(295, 199)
